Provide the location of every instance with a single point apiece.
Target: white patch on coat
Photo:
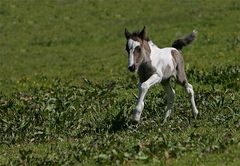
(162, 60)
(132, 45)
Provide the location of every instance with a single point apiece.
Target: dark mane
(135, 36)
(135, 33)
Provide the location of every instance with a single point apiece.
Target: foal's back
(163, 61)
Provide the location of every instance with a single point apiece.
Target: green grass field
(66, 95)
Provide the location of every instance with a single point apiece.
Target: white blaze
(132, 45)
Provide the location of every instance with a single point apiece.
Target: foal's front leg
(143, 88)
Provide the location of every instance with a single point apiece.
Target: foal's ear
(143, 34)
(127, 34)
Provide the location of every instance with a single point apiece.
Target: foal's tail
(180, 43)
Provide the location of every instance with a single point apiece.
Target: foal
(157, 65)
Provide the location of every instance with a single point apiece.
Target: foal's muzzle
(132, 68)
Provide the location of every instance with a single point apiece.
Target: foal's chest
(145, 71)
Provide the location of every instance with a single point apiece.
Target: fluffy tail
(180, 43)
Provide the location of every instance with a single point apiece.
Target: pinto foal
(157, 65)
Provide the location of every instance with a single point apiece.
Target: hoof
(136, 116)
(195, 114)
(135, 119)
(134, 122)
(195, 117)
(164, 122)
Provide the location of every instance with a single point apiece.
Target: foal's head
(137, 48)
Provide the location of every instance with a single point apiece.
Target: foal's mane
(136, 36)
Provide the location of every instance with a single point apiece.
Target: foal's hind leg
(170, 99)
(182, 80)
(190, 91)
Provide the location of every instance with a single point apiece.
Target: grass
(85, 38)
(66, 95)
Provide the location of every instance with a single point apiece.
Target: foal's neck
(146, 52)
(146, 58)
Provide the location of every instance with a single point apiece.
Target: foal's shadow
(122, 122)
(119, 122)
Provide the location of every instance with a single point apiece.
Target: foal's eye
(138, 48)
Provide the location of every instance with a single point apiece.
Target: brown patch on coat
(179, 64)
(138, 55)
(146, 46)
(174, 54)
(145, 71)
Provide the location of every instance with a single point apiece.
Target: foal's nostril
(131, 68)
